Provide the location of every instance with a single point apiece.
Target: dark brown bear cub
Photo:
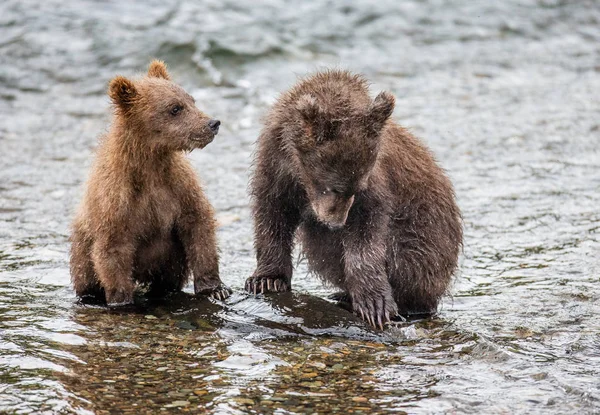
(375, 214)
(144, 217)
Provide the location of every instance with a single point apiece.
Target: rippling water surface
(505, 93)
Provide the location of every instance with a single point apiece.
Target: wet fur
(144, 217)
(398, 247)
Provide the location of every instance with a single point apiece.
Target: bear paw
(375, 309)
(119, 296)
(221, 292)
(263, 285)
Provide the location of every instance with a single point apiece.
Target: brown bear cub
(144, 217)
(375, 214)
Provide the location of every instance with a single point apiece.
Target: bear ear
(158, 69)
(122, 92)
(308, 108)
(380, 110)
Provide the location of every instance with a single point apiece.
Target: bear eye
(176, 109)
(329, 190)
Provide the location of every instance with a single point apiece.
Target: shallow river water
(507, 94)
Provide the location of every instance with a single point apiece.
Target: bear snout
(334, 221)
(214, 126)
(333, 213)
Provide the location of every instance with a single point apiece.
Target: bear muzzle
(207, 135)
(333, 215)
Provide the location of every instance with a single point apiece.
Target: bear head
(161, 111)
(336, 152)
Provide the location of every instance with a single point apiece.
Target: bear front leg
(365, 275)
(83, 277)
(276, 217)
(113, 262)
(197, 230)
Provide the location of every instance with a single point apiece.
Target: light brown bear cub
(144, 217)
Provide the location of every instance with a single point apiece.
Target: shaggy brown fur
(376, 215)
(144, 217)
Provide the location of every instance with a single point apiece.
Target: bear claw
(377, 312)
(261, 285)
(221, 292)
